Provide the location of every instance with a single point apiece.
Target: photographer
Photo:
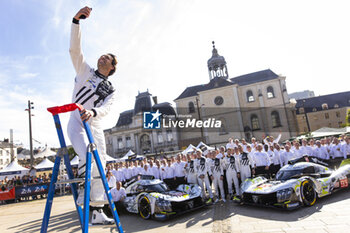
(95, 94)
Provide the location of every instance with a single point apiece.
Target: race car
(151, 198)
(295, 185)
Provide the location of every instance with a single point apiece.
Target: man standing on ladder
(95, 93)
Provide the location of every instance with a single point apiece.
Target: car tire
(308, 193)
(145, 208)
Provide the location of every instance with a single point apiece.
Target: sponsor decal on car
(344, 183)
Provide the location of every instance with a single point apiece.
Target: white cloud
(164, 46)
(29, 75)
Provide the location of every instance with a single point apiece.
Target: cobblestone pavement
(330, 214)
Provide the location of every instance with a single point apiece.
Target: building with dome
(129, 134)
(250, 105)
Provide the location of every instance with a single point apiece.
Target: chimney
(155, 99)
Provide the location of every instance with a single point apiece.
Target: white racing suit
(95, 93)
(218, 172)
(232, 168)
(191, 174)
(246, 163)
(202, 171)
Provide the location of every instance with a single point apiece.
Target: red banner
(7, 194)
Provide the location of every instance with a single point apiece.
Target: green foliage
(347, 119)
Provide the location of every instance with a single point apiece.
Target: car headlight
(284, 194)
(163, 205)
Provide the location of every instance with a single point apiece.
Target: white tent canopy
(325, 131)
(75, 161)
(110, 159)
(126, 156)
(22, 156)
(47, 152)
(202, 145)
(45, 165)
(12, 170)
(189, 149)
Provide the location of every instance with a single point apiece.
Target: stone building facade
(129, 134)
(251, 105)
(323, 111)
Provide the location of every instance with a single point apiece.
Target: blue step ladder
(63, 153)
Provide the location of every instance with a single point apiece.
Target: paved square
(330, 214)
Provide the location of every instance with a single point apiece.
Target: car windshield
(288, 174)
(160, 188)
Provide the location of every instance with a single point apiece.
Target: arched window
(275, 118)
(191, 107)
(255, 122)
(250, 97)
(169, 135)
(270, 93)
(145, 141)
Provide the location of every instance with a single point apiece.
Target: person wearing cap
(95, 94)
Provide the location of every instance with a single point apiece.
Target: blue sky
(163, 46)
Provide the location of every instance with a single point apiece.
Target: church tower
(217, 65)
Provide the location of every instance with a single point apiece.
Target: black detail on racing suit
(245, 160)
(232, 162)
(217, 164)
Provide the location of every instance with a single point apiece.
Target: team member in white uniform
(118, 173)
(191, 171)
(337, 155)
(320, 152)
(271, 141)
(262, 161)
(246, 163)
(168, 177)
(179, 171)
(118, 195)
(202, 170)
(298, 153)
(287, 155)
(95, 93)
(154, 170)
(127, 171)
(217, 178)
(111, 179)
(346, 148)
(232, 171)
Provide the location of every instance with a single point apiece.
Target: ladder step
(95, 203)
(76, 180)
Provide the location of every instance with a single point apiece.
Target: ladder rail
(91, 150)
(103, 177)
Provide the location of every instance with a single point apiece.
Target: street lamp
(306, 118)
(199, 118)
(29, 109)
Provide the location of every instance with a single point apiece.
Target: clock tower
(217, 65)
